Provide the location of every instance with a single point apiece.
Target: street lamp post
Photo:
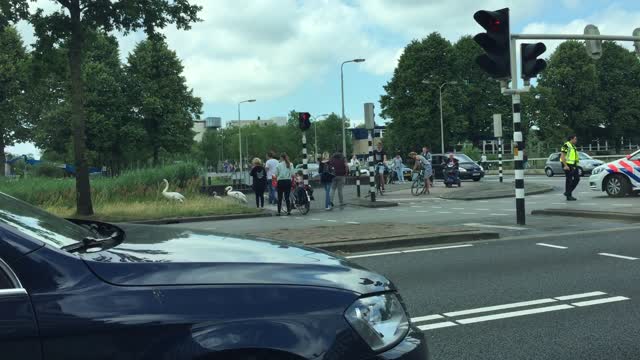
(441, 117)
(240, 129)
(344, 130)
(315, 131)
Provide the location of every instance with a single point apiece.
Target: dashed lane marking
(618, 256)
(409, 251)
(552, 246)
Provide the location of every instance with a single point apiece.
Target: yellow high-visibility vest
(572, 157)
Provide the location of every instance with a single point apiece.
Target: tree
(572, 79)
(71, 22)
(618, 73)
(160, 99)
(14, 65)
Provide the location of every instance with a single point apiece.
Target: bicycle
(301, 200)
(417, 187)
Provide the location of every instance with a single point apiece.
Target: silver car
(585, 166)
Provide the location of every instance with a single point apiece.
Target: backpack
(328, 172)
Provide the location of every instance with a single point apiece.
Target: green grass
(135, 195)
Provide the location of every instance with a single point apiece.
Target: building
(277, 120)
(201, 126)
(360, 140)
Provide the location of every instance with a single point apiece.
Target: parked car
(618, 178)
(364, 169)
(469, 169)
(80, 289)
(312, 168)
(586, 165)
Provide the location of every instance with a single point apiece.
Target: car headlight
(598, 170)
(463, 170)
(481, 168)
(380, 320)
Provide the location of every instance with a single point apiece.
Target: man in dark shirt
(380, 158)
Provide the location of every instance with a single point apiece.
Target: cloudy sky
(287, 53)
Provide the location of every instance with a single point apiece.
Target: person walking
(284, 173)
(259, 176)
(340, 168)
(326, 179)
(570, 159)
(398, 166)
(271, 165)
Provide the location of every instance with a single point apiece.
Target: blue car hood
(158, 255)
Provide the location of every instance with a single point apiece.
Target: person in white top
(271, 165)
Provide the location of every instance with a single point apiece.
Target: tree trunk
(83, 186)
(2, 157)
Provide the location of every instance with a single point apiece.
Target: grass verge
(121, 211)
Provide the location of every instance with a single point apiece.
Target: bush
(472, 152)
(130, 186)
(48, 170)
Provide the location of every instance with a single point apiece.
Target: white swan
(235, 194)
(171, 195)
(215, 196)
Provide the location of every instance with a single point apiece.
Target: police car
(618, 178)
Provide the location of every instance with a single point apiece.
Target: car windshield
(39, 224)
(585, 156)
(463, 158)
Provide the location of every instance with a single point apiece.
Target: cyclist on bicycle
(422, 163)
(380, 158)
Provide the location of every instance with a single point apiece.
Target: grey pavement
(495, 214)
(561, 297)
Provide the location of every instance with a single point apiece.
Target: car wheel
(580, 172)
(549, 172)
(476, 179)
(617, 185)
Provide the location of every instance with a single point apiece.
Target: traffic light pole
(500, 153)
(305, 160)
(372, 179)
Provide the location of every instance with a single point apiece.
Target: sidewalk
(368, 237)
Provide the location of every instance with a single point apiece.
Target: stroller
(450, 174)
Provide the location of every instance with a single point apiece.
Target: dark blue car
(73, 289)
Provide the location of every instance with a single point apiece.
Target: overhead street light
(441, 117)
(344, 136)
(240, 129)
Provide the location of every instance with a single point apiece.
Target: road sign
(369, 123)
(594, 47)
(636, 43)
(497, 125)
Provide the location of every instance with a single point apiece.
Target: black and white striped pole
(305, 160)
(372, 179)
(497, 132)
(501, 151)
(518, 157)
(369, 124)
(358, 179)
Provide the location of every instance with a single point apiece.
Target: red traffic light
(304, 118)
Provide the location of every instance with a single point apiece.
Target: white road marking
(316, 219)
(371, 255)
(580, 296)
(515, 314)
(558, 203)
(500, 307)
(436, 248)
(457, 208)
(483, 201)
(383, 209)
(494, 226)
(437, 325)
(409, 251)
(416, 206)
(482, 209)
(436, 207)
(332, 221)
(426, 318)
(552, 246)
(600, 301)
(618, 256)
(469, 213)
(498, 214)
(421, 211)
(353, 222)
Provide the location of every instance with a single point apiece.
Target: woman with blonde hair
(259, 175)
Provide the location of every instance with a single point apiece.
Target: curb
(544, 190)
(385, 244)
(607, 215)
(373, 205)
(201, 219)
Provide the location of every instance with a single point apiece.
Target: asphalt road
(568, 297)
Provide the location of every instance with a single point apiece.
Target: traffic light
(495, 42)
(304, 118)
(531, 65)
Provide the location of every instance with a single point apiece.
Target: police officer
(569, 158)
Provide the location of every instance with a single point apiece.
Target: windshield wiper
(91, 242)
